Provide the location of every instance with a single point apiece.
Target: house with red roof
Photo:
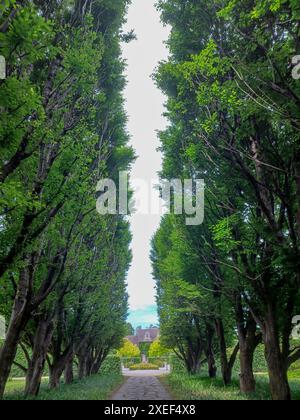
(144, 336)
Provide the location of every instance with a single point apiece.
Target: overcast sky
(144, 106)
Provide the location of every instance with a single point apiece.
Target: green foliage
(177, 365)
(16, 371)
(128, 362)
(62, 129)
(95, 388)
(111, 366)
(157, 349)
(129, 329)
(193, 388)
(144, 366)
(128, 349)
(223, 234)
(144, 348)
(233, 110)
(160, 362)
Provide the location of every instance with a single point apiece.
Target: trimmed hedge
(160, 362)
(17, 372)
(128, 362)
(111, 366)
(144, 366)
(259, 362)
(259, 365)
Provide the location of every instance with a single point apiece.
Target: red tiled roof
(133, 339)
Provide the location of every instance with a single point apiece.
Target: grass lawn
(91, 389)
(183, 386)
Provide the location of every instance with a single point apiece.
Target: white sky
(144, 106)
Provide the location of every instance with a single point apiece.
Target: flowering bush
(144, 366)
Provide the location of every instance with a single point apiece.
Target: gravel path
(142, 388)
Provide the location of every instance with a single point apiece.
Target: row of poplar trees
(62, 129)
(233, 106)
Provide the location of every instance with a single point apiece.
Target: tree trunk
(279, 385)
(8, 353)
(89, 364)
(210, 355)
(226, 365)
(41, 346)
(69, 373)
(96, 368)
(57, 368)
(98, 360)
(34, 376)
(82, 370)
(248, 342)
(56, 372)
(193, 367)
(18, 321)
(82, 355)
(55, 375)
(247, 379)
(212, 367)
(193, 362)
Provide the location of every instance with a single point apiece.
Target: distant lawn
(91, 389)
(183, 386)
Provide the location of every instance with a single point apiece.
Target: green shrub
(17, 372)
(294, 372)
(259, 361)
(111, 366)
(160, 362)
(259, 365)
(177, 364)
(128, 362)
(144, 366)
(295, 366)
(128, 349)
(157, 349)
(144, 348)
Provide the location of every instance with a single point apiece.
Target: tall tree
(232, 108)
(62, 129)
